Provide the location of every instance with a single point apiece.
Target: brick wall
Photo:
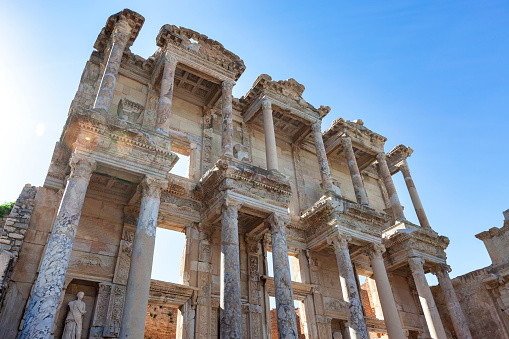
(161, 322)
(273, 324)
(369, 307)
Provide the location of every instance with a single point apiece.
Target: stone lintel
(170, 294)
(135, 21)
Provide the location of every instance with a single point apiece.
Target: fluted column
(391, 189)
(357, 325)
(358, 185)
(119, 39)
(138, 281)
(270, 136)
(453, 306)
(227, 114)
(416, 201)
(48, 287)
(285, 309)
(389, 309)
(166, 95)
(231, 316)
(322, 156)
(435, 327)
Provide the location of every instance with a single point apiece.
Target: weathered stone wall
(25, 271)
(477, 304)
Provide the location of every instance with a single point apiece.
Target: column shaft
(166, 95)
(358, 184)
(390, 312)
(435, 327)
(357, 325)
(138, 283)
(416, 201)
(453, 306)
(285, 309)
(48, 287)
(322, 156)
(119, 38)
(231, 316)
(270, 136)
(227, 115)
(391, 189)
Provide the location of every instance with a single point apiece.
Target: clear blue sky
(432, 75)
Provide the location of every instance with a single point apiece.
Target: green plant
(6, 208)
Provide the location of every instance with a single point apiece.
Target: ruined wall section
(31, 252)
(477, 304)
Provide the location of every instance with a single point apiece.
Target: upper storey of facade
(135, 115)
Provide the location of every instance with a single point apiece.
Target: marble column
(416, 201)
(231, 316)
(48, 287)
(227, 115)
(285, 309)
(453, 306)
(322, 156)
(357, 325)
(166, 95)
(358, 184)
(397, 210)
(389, 309)
(138, 281)
(435, 327)
(270, 136)
(119, 40)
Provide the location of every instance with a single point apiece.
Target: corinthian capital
(416, 264)
(228, 85)
(151, 187)
(170, 58)
(317, 126)
(441, 270)
(374, 251)
(381, 157)
(346, 141)
(403, 166)
(276, 223)
(81, 166)
(339, 241)
(266, 103)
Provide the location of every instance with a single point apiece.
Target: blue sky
(432, 75)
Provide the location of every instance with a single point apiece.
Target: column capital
(228, 202)
(122, 30)
(266, 103)
(441, 270)
(339, 241)
(317, 126)
(346, 141)
(381, 157)
(403, 166)
(228, 85)
(276, 223)
(416, 264)
(374, 251)
(170, 59)
(81, 166)
(151, 187)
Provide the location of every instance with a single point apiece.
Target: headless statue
(74, 320)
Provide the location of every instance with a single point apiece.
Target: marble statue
(73, 322)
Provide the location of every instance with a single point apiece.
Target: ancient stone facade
(262, 178)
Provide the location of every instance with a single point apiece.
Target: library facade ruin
(262, 178)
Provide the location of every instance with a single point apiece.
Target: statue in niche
(74, 320)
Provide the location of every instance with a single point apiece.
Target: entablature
(397, 156)
(365, 143)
